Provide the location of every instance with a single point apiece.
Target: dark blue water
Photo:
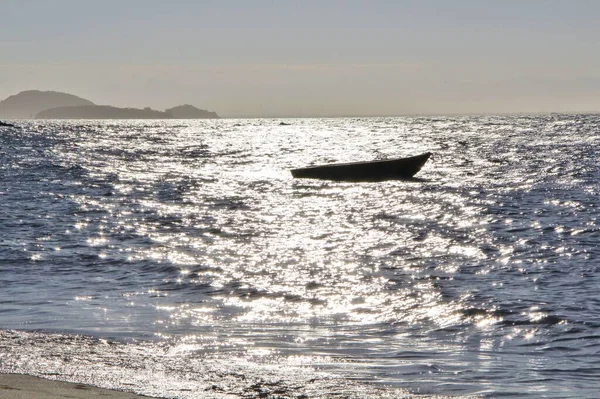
(193, 264)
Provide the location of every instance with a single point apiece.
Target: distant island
(27, 104)
(108, 112)
(56, 105)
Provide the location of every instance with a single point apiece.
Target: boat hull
(371, 171)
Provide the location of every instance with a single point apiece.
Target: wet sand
(19, 386)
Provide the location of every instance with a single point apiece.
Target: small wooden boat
(370, 171)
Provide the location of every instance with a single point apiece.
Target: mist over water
(195, 260)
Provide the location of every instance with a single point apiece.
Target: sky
(256, 58)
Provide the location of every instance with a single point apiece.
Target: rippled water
(195, 260)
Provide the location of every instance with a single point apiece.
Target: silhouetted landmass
(100, 112)
(27, 104)
(108, 112)
(55, 105)
(190, 112)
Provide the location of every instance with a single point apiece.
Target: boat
(369, 171)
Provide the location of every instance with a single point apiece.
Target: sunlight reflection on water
(195, 235)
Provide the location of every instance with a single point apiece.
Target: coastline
(21, 386)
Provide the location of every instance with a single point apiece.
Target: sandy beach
(19, 386)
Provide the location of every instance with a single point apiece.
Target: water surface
(190, 255)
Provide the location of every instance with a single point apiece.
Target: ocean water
(181, 259)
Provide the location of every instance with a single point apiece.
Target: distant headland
(109, 112)
(35, 104)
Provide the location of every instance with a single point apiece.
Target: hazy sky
(308, 58)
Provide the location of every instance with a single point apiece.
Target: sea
(180, 258)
